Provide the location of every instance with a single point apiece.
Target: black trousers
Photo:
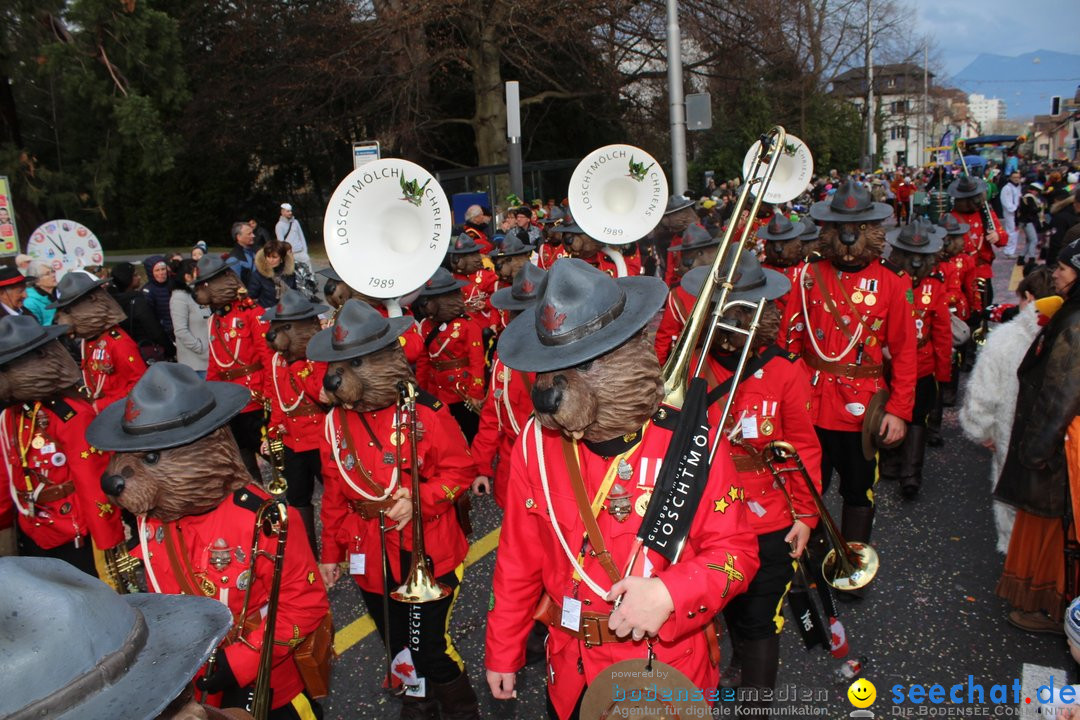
(302, 469)
(81, 557)
(424, 629)
(926, 391)
(841, 450)
(466, 418)
(757, 613)
(247, 430)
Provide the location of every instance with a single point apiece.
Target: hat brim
(807, 237)
(571, 229)
(52, 332)
(107, 433)
(955, 194)
(525, 250)
(13, 280)
(229, 264)
(677, 208)
(631, 679)
(330, 273)
(65, 301)
(442, 289)
(871, 439)
(936, 242)
(321, 347)
(520, 347)
(767, 236)
(823, 212)
(316, 310)
(503, 299)
(182, 632)
(776, 285)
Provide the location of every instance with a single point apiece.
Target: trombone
(847, 565)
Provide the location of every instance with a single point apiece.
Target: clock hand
(59, 246)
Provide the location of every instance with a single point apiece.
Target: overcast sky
(965, 28)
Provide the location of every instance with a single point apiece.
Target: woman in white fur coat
(986, 415)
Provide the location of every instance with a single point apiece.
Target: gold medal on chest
(766, 426)
(642, 503)
(397, 438)
(38, 442)
(926, 299)
(619, 502)
(870, 300)
(857, 297)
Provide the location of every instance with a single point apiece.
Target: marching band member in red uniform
(508, 405)
(579, 245)
(452, 366)
(678, 216)
(784, 251)
(337, 291)
(111, 363)
(968, 196)
(913, 249)
(508, 258)
(367, 465)
(294, 385)
(698, 248)
(478, 282)
(552, 247)
(176, 467)
(238, 350)
(590, 460)
(52, 474)
(771, 403)
(854, 305)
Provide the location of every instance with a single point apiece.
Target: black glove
(221, 679)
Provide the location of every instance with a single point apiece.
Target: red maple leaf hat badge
(131, 411)
(850, 202)
(340, 333)
(527, 287)
(551, 318)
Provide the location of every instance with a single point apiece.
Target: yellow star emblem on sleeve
(311, 578)
(733, 493)
(720, 505)
(84, 454)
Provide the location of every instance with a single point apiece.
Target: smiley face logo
(862, 693)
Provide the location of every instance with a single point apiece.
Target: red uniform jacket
(602, 262)
(293, 390)
(506, 409)
(453, 364)
(676, 310)
(549, 253)
(480, 237)
(881, 293)
(674, 257)
(111, 365)
(63, 472)
(238, 349)
(446, 469)
(717, 563)
(412, 343)
(477, 293)
(933, 329)
(976, 246)
(792, 274)
(180, 555)
(960, 291)
(771, 404)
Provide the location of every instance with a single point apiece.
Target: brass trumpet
(847, 565)
(278, 484)
(122, 567)
(420, 585)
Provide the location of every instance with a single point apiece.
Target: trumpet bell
(420, 587)
(793, 171)
(864, 566)
(618, 194)
(387, 227)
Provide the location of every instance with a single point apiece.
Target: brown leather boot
(760, 661)
(912, 452)
(457, 700)
(419, 708)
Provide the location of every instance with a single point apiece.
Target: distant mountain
(1026, 83)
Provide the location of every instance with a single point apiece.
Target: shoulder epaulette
(428, 400)
(791, 357)
(893, 266)
(115, 334)
(815, 257)
(938, 274)
(249, 498)
(666, 418)
(63, 410)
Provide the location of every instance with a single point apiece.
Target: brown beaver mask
(368, 383)
(697, 258)
(188, 480)
(508, 267)
(602, 399)
(954, 245)
(852, 245)
(780, 253)
(218, 291)
(290, 337)
(676, 223)
(445, 307)
(42, 373)
(582, 246)
(917, 265)
(968, 205)
(91, 315)
(466, 264)
(727, 342)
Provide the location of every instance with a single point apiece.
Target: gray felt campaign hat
(526, 289)
(921, 236)
(19, 334)
(696, 237)
(850, 204)
(440, 283)
(75, 649)
(952, 226)
(510, 246)
(752, 282)
(676, 203)
(966, 186)
(582, 314)
(463, 244)
(294, 305)
(74, 285)
(358, 330)
(211, 266)
(809, 230)
(780, 228)
(169, 406)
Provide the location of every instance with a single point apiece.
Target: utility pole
(677, 106)
(513, 138)
(925, 133)
(871, 146)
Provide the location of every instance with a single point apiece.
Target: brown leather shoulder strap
(585, 511)
(178, 561)
(827, 298)
(347, 444)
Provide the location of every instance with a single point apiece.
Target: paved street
(932, 616)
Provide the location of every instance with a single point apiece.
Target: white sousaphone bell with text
(617, 195)
(793, 170)
(387, 228)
